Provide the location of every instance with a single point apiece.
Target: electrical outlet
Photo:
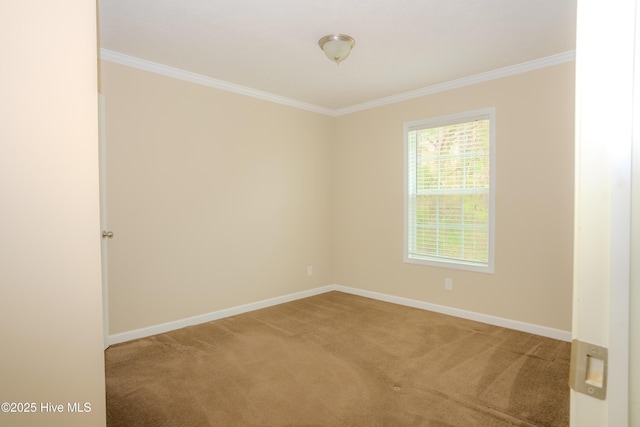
(309, 270)
(448, 284)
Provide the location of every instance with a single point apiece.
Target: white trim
(544, 331)
(176, 73)
(465, 81)
(233, 311)
(468, 116)
(215, 315)
(188, 76)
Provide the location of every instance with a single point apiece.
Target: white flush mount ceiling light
(336, 46)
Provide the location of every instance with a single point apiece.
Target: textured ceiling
(401, 45)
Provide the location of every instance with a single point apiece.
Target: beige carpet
(339, 360)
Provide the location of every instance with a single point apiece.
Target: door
(105, 236)
(605, 59)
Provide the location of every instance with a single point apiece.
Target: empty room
(221, 203)
(324, 213)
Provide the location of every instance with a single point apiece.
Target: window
(449, 191)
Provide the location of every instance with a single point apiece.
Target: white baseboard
(215, 315)
(544, 331)
(233, 311)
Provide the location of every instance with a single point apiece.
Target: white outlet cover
(448, 284)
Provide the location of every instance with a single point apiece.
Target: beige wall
(534, 200)
(50, 292)
(218, 200)
(215, 199)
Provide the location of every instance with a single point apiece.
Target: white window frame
(486, 113)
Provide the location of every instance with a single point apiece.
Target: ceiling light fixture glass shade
(336, 46)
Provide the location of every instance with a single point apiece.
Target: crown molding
(177, 73)
(188, 76)
(465, 81)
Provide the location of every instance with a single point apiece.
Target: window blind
(449, 184)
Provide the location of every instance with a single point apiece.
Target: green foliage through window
(449, 191)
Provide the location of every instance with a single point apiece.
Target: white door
(102, 143)
(605, 57)
(634, 298)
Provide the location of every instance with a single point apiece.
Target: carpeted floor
(339, 360)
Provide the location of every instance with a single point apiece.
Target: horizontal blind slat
(450, 181)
